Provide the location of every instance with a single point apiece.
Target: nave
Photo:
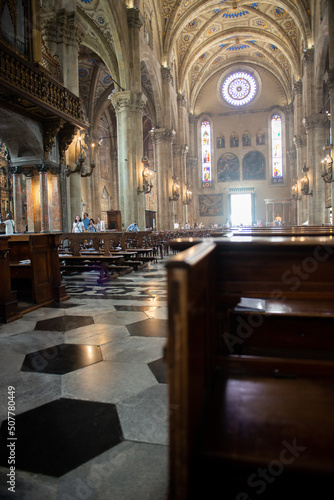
(91, 399)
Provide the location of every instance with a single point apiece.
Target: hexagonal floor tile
(149, 328)
(64, 323)
(62, 358)
(159, 370)
(57, 437)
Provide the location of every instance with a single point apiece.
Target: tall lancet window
(206, 154)
(276, 149)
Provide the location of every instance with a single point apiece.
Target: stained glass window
(206, 154)
(276, 148)
(239, 88)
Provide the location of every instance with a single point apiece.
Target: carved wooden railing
(21, 77)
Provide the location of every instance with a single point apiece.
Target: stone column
(56, 201)
(114, 176)
(163, 161)
(298, 142)
(17, 199)
(44, 199)
(28, 173)
(298, 131)
(292, 154)
(129, 110)
(314, 125)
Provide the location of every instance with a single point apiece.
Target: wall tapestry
(228, 168)
(254, 166)
(210, 204)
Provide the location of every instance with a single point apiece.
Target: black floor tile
(159, 370)
(57, 437)
(62, 305)
(64, 323)
(62, 358)
(135, 308)
(149, 328)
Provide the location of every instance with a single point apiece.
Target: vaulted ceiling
(199, 40)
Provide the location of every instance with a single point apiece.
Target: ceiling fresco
(197, 40)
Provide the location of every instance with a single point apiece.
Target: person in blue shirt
(133, 227)
(85, 221)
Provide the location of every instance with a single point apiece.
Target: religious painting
(210, 204)
(234, 140)
(246, 139)
(220, 141)
(228, 168)
(260, 139)
(254, 166)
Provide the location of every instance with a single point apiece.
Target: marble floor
(86, 382)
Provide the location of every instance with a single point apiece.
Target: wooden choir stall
(30, 273)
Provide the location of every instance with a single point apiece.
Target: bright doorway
(241, 209)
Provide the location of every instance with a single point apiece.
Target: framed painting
(254, 166)
(210, 204)
(228, 168)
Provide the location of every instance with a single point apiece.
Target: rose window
(239, 89)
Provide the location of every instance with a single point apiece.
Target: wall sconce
(147, 174)
(175, 190)
(327, 168)
(305, 183)
(294, 190)
(189, 196)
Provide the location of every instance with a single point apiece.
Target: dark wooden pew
(34, 267)
(8, 299)
(251, 385)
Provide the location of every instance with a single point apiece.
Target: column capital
(15, 169)
(27, 172)
(308, 57)
(162, 135)
(133, 16)
(166, 74)
(298, 87)
(292, 154)
(315, 120)
(126, 100)
(181, 100)
(42, 167)
(298, 141)
(330, 80)
(69, 29)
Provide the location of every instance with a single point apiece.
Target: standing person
(9, 224)
(133, 227)
(78, 226)
(85, 221)
(98, 225)
(91, 227)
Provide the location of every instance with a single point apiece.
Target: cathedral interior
(177, 114)
(116, 105)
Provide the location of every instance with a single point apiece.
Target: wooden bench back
(205, 283)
